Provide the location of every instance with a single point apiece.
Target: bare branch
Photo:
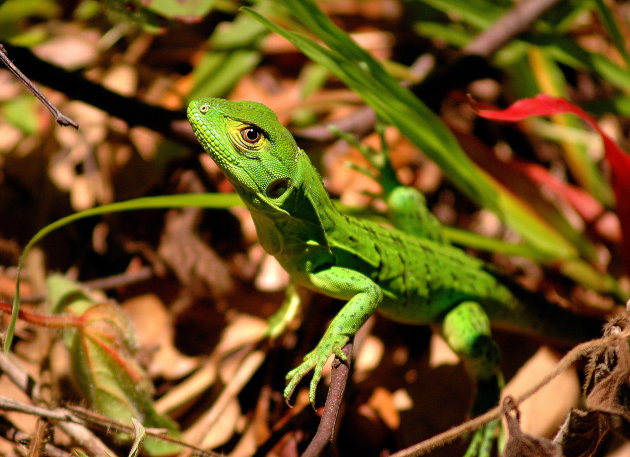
(60, 118)
(516, 21)
(326, 430)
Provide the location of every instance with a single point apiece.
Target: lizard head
(257, 153)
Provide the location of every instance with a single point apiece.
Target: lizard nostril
(203, 109)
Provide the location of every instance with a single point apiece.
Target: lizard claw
(315, 360)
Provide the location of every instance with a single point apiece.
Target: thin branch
(303, 419)
(10, 432)
(60, 118)
(74, 419)
(339, 379)
(326, 430)
(58, 414)
(119, 280)
(86, 439)
(78, 415)
(516, 21)
(168, 122)
(18, 376)
(108, 282)
(77, 432)
(470, 66)
(360, 122)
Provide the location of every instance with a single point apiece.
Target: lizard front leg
(466, 329)
(278, 321)
(363, 296)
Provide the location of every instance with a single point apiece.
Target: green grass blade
(398, 106)
(208, 201)
(568, 52)
(613, 29)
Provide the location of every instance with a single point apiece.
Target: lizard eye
(203, 109)
(251, 135)
(278, 187)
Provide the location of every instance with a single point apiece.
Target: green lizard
(410, 273)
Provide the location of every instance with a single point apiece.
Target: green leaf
(568, 52)
(181, 10)
(233, 51)
(150, 12)
(14, 14)
(103, 364)
(480, 14)
(21, 112)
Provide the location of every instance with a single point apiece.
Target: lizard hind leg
(466, 329)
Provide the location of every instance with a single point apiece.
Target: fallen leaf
(544, 411)
(154, 329)
(521, 444)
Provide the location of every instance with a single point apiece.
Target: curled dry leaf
(582, 433)
(521, 444)
(607, 387)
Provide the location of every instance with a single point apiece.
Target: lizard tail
(530, 313)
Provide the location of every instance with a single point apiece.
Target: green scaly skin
(411, 276)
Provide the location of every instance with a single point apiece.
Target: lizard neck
(304, 216)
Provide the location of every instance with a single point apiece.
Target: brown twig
(10, 432)
(86, 439)
(108, 282)
(326, 430)
(60, 118)
(133, 111)
(82, 416)
(18, 376)
(359, 123)
(69, 421)
(28, 385)
(304, 418)
(119, 280)
(107, 423)
(516, 21)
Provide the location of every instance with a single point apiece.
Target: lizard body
(413, 278)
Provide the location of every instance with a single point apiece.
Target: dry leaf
(544, 411)
(194, 263)
(521, 444)
(154, 329)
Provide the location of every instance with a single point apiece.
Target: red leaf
(619, 161)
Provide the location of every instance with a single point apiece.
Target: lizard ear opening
(278, 187)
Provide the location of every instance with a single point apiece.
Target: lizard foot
(483, 440)
(315, 360)
(488, 392)
(379, 160)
